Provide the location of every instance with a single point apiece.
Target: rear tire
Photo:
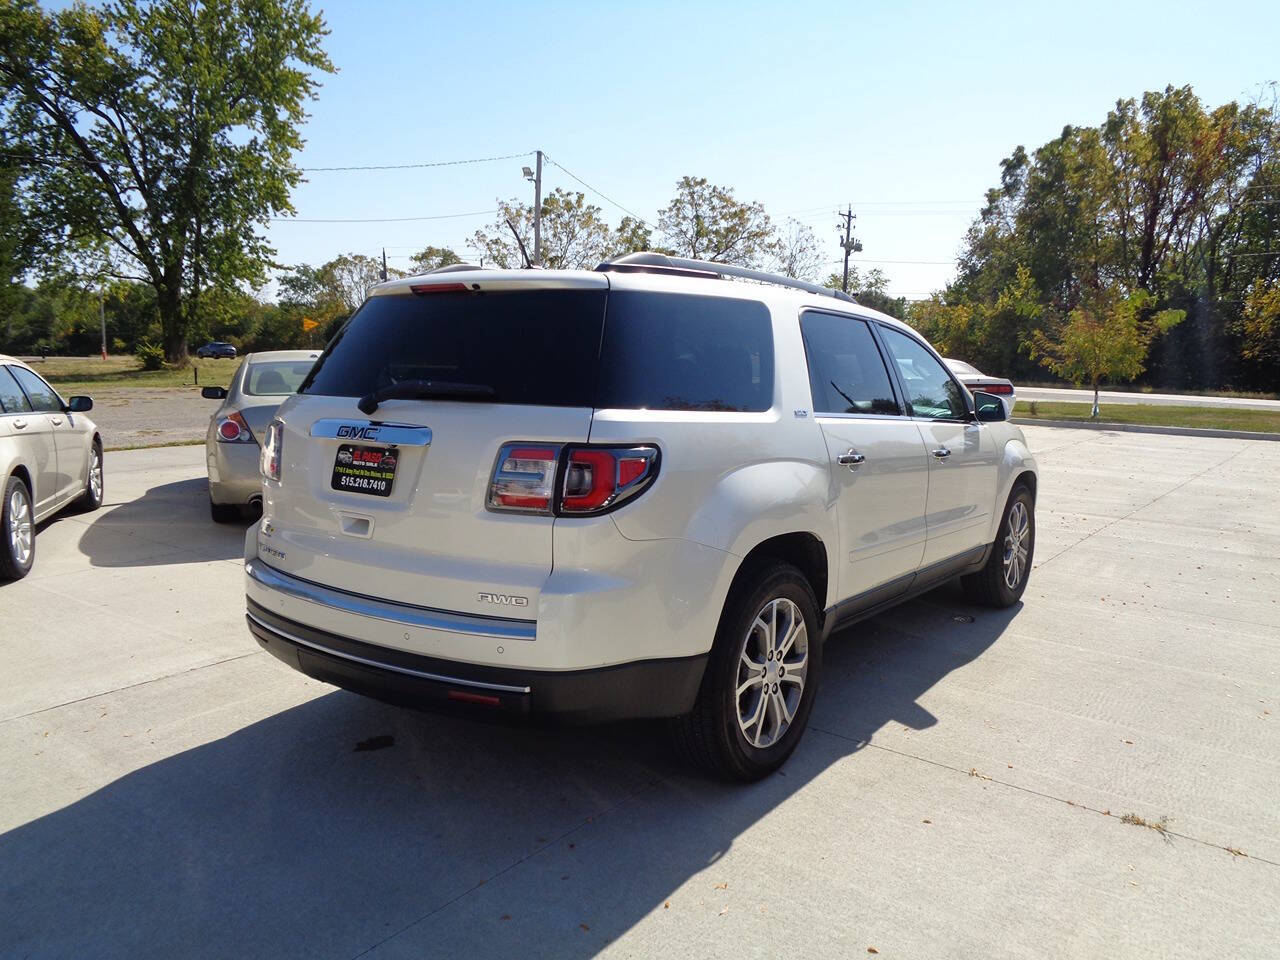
(224, 512)
(17, 531)
(761, 678)
(1002, 580)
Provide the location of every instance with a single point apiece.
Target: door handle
(850, 459)
(941, 453)
(56, 421)
(20, 424)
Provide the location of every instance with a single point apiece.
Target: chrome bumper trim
(422, 674)
(388, 610)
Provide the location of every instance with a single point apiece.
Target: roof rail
(647, 262)
(456, 268)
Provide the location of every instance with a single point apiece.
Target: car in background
(217, 350)
(975, 379)
(258, 387)
(50, 457)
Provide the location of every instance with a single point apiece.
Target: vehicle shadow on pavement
(167, 524)
(343, 824)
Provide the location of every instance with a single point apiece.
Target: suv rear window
(671, 351)
(534, 347)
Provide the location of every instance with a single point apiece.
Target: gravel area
(152, 417)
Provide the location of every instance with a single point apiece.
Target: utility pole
(849, 244)
(384, 264)
(535, 177)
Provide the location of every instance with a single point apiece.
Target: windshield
(275, 378)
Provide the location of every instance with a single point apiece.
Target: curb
(1145, 428)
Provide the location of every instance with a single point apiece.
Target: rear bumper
(233, 472)
(643, 688)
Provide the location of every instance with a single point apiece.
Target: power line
(418, 166)
(438, 216)
(598, 192)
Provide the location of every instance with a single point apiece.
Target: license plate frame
(356, 470)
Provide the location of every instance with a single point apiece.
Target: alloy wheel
(1015, 545)
(773, 664)
(20, 529)
(95, 474)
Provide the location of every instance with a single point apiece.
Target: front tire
(1002, 580)
(95, 485)
(17, 531)
(761, 678)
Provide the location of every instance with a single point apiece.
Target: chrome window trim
(427, 618)
(407, 671)
(394, 434)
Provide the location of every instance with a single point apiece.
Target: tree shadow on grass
(310, 834)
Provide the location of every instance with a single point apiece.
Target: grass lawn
(72, 375)
(1210, 418)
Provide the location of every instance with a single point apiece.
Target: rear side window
(12, 399)
(670, 351)
(534, 347)
(41, 395)
(846, 371)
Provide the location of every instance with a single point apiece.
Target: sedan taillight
(594, 479)
(233, 429)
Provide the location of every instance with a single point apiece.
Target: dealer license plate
(364, 469)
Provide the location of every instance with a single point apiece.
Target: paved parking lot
(168, 790)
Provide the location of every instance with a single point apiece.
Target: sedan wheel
(18, 528)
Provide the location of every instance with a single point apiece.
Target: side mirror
(79, 404)
(213, 393)
(989, 407)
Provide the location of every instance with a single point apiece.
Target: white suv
(651, 490)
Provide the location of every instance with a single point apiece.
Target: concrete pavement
(1061, 395)
(169, 790)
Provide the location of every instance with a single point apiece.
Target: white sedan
(975, 379)
(50, 456)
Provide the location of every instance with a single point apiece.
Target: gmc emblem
(358, 433)
(505, 599)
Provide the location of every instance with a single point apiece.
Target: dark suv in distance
(217, 349)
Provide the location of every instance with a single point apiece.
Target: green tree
(575, 235)
(1106, 338)
(432, 258)
(706, 222)
(162, 133)
(796, 252)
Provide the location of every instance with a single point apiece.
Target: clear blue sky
(905, 112)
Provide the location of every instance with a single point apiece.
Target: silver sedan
(258, 387)
(975, 379)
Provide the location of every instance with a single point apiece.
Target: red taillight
(596, 479)
(233, 429)
(524, 478)
(995, 388)
(421, 289)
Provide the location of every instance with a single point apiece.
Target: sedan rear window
(275, 378)
(535, 347)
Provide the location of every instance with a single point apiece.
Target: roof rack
(455, 268)
(648, 262)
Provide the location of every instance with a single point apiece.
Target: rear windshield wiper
(420, 389)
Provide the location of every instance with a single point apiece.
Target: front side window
(674, 351)
(846, 372)
(12, 399)
(275, 378)
(931, 392)
(42, 397)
